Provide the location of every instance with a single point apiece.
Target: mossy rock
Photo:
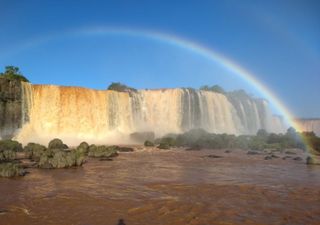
(103, 151)
(10, 169)
(10, 145)
(148, 143)
(164, 146)
(7, 155)
(57, 158)
(34, 151)
(57, 144)
(83, 148)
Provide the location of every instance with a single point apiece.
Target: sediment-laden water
(168, 187)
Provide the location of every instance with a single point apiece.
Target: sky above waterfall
(278, 41)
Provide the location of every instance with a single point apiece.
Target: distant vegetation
(199, 138)
(214, 88)
(117, 86)
(13, 73)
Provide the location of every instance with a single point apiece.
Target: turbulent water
(76, 114)
(168, 188)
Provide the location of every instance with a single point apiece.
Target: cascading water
(78, 114)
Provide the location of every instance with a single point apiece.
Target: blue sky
(278, 41)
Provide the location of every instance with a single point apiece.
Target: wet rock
(194, 148)
(57, 158)
(312, 161)
(34, 151)
(286, 157)
(148, 143)
(164, 146)
(103, 151)
(10, 169)
(214, 156)
(3, 211)
(10, 145)
(268, 157)
(297, 158)
(57, 144)
(227, 151)
(253, 153)
(83, 148)
(290, 153)
(125, 149)
(274, 156)
(11, 107)
(7, 155)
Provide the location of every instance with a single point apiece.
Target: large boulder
(10, 145)
(83, 148)
(34, 151)
(57, 158)
(148, 143)
(57, 144)
(7, 155)
(103, 151)
(10, 169)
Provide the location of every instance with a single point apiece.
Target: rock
(11, 107)
(142, 136)
(125, 149)
(312, 161)
(103, 151)
(253, 153)
(214, 156)
(297, 158)
(164, 146)
(3, 211)
(57, 144)
(10, 169)
(7, 155)
(148, 143)
(10, 145)
(290, 153)
(286, 157)
(274, 156)
(57, 158)
(268, 157)
(34, 151)
(83, 148)
(193, 149)
(227, 151)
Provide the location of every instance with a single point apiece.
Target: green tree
(13, 73)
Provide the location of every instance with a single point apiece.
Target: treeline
(199, 138)
(13, 73)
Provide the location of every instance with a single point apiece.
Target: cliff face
(10, 107)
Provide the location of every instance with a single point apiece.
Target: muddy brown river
(162, 187)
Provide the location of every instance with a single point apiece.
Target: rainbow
(186, 44)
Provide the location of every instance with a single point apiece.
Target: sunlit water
(167, 187)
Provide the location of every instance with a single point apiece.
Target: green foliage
(103, 151)
(199, 138)
(117, 86)
(10, 145)
(214, 88)
(11, 170)
(13, 73)
(57, 144)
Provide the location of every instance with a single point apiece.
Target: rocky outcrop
(10, 107)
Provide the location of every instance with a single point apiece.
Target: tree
(214, 88)
(13, 73)
(117, 86)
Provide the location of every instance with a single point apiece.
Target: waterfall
(77, 114)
